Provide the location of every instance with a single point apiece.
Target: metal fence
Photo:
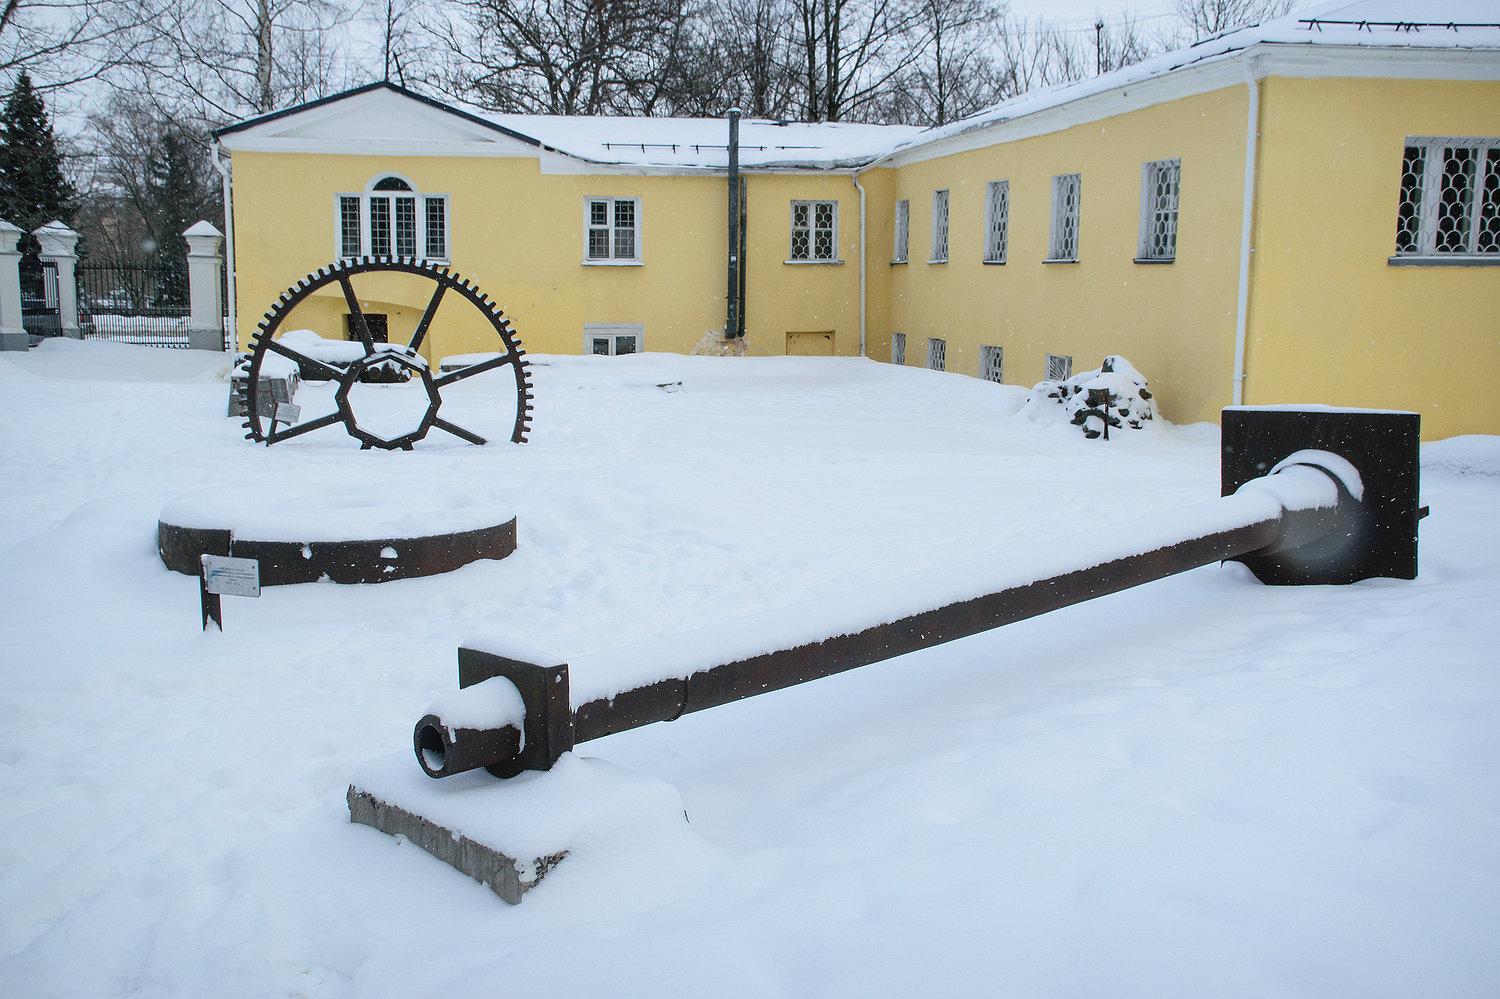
(134, 301)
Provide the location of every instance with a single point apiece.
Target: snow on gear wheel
(381, 358)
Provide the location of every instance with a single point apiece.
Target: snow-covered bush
(1130, 403)
(715, 344)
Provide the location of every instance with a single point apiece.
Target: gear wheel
(387, 356)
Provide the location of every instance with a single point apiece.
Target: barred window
(436, 219)
(1160, 183)
(349, 240)
(1450, 198)
(898, 348)
(385, 221)
(996, 221)
(613, 230)
(903, 232)
(1059, 367)
(1067, 192)
(992, 363)
(939, 227)
(937, 354)
(815, 227)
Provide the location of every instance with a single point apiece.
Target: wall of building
(519, 234)
(1173, 321)
(1331, 320)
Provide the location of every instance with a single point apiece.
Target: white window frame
(942, 205)
(937, 354)
(1430, 193)
(996, 221)
(991, 356)
(612, 261)
(1058, 250)
(1152, 205)
(613, 331)
(420, 199)
(1056, 363)
(898, 348)
(902, 241)
(812, 230)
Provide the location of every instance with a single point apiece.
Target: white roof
(1375, 24)
(701, 142)
(381, 116)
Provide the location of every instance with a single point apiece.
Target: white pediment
(379, 120)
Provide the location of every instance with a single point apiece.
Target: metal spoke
(432, 307)
(278, 347)
(302, 428)
(473, 369)
(457, 431)
(356, 315)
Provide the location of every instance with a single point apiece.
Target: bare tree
(216, 60)
(1207, 18)
(564, 56)
(66, 42)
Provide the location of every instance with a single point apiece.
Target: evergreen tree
(33, 190)
(177, 195)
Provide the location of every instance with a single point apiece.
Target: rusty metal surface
(285, 562)
(445, 750)
(407, 357)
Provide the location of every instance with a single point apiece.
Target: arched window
(390, 219)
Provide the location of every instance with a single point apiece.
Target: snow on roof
(702, 142)
(651, 143)
(1444, 24)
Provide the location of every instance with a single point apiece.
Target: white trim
(612, 261)
(613, 330)
(1218, 73)
(901, 237)
(942, 225)
(1147, 221)
(862, 209)
(812, 230)
(419, 198)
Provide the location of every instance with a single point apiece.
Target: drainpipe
(1247, 222)
(732, 321)
(223, 168)
(861, 189)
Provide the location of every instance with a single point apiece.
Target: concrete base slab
(206, 339)
(510, 834)
(12, 339)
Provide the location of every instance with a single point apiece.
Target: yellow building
(1307, 211)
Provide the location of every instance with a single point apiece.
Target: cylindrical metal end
(443, 751)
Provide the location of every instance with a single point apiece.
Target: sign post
(238, 577)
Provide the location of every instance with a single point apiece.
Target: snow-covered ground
(1200, 787)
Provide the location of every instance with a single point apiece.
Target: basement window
(903, 232)
(1059, 367)
(612, 231)
(1449, 209)
(815, 232)
(1160, 182)
(992, 363)
(1067, 191)
(898, 348)
(613, 339)
(937, 354)
(390, 218)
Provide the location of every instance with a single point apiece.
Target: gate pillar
(12, 332)
(60, 246)
(205, 281)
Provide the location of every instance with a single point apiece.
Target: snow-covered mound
(1470, 454)
(1130, 401)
